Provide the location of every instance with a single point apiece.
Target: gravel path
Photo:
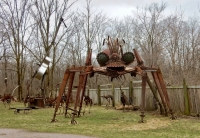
(19, 133)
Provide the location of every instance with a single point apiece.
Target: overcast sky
(121, 8)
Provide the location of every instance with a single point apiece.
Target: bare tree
(92, 23)
(89, 25)
(52, 34)
(149, 31)
(15, 16)
(181, 47)
(172, 46)
(190, 45)
(3, 55)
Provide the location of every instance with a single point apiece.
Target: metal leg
(144, 81)
(72, 74)
(157, 82)
(155, 95)
(162, 84)
(61, 90)
(83, 92)
(77, 99)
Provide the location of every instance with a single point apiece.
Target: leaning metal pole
(87, 71)
(155, 95)
(61, 90)
(156, 80)
(69, 92)
(81, 76)
(83, 93)
(164, 89)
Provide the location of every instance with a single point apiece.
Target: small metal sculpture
(115, 64)
(124, 99)
(88, 102)
(39, 74)
(108, 99)
(7, 98)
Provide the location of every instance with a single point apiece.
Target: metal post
(113, 93)
(99, 95)
(144, 81)
(131, 92)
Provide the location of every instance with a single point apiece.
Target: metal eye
(102, 58)
(128, 58)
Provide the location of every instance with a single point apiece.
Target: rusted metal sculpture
(50, 102)
(108, 99)
(88, 102)
(28, 100)
(115, 64)
(7, 98)
(124, 99)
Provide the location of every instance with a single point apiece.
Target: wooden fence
(184, 99)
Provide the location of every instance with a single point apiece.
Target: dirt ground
(19, 133)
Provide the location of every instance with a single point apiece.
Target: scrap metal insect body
(115, 64)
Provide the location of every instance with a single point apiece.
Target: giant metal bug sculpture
(115, 64)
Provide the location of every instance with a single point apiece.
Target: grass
(102, 123)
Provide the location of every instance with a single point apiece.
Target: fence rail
(176, 96)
